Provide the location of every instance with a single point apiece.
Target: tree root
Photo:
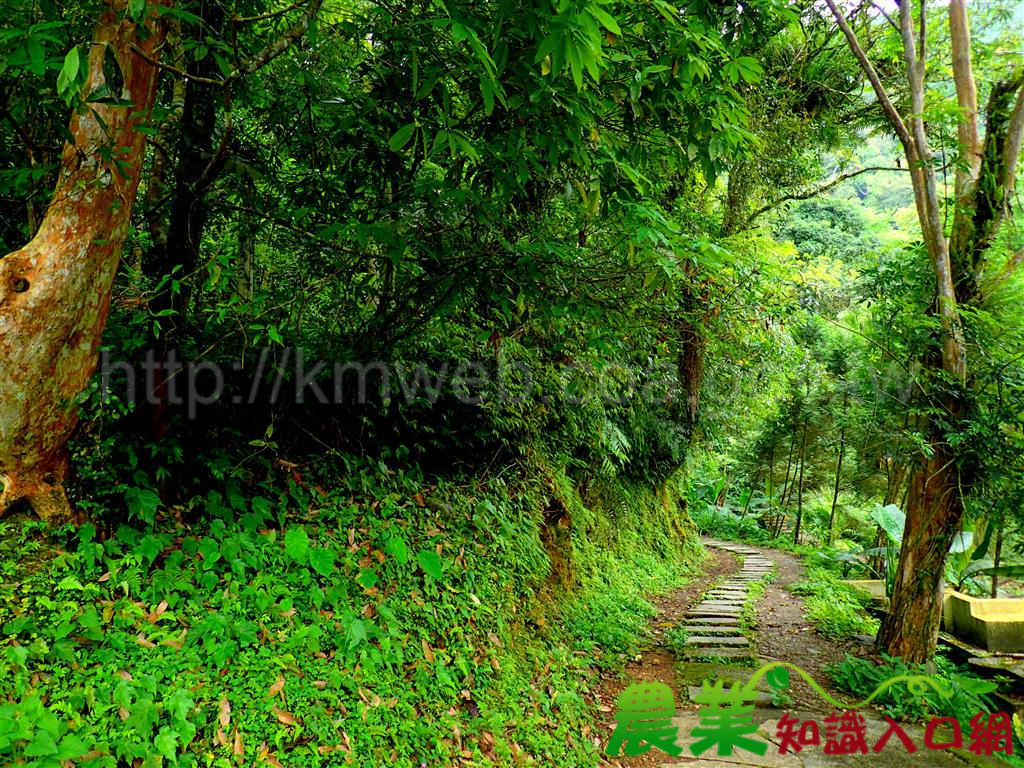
(50, 502)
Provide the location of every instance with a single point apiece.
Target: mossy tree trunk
(55, 292)
(985, 180)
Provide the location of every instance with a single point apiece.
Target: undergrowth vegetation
(385, 621)
(836, 610)
(970, 694)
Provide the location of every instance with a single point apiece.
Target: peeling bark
(934, 513)
(55, 292)
(935, 505)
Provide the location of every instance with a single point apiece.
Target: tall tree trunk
(985, 174)
(800, 487)
(248, 231)
(197, 168)
(789, 466)
(839, 466)
(934, 512)
(997, 556)
(55, 292)
(737, 196)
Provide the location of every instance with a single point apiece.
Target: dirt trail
(782, 633)
(657, 663)
(779, 633)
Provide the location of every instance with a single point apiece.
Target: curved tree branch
(820, 190)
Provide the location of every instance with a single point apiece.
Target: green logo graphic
(727, 722)
(645, 715)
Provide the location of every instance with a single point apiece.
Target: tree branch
(279, 46)
(878, 7)
(966, 97)
(172, 69)
(1012, 147)
(265, 16)
(1010, 268)
(254, 62)
(876, 83)
(807, 195)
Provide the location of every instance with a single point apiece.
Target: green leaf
(322, 560)
(982, 548)
(296, 544)
(137, 9)
(142, 503)
(367, 577)
(398, 549)
(401, 137)
(37, 57)
(961, 543)
(430, 562)
(41, 745)
(891, 520)
(487, 91)
(605, 19)
(166, 743)
(548, 45)
(179, 704)
(71, 747)
(976, 686)
(86, 533)
(1015, 571)
(69, 72)
(262, 507)
(356, 633)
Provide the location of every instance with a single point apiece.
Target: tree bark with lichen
(55, 292)
(985, 178)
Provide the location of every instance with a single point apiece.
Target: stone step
(716, 607)
(762, 699)
(721, 653)
(721, 604)
(714, 621)
(705, 642)
(713, 613)
(693, 629)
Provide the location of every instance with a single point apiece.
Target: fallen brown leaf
(286, 718)
(277, 688)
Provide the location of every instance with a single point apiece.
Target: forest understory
(371, 373)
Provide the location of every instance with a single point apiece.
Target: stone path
(715, 632)
(713, 626)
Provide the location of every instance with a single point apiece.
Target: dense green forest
(367, 368)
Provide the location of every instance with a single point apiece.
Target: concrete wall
(995, 625)
(873, 587)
